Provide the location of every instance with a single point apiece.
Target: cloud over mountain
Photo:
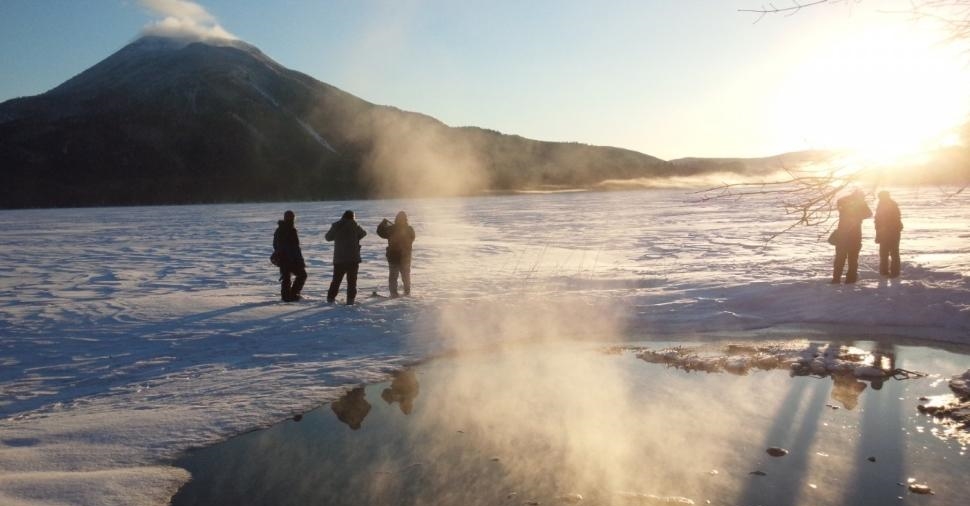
(184, 20)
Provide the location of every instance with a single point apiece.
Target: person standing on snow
(400, 238)
(889, 226)
(346, 235)
(852, 210)
(289, 258)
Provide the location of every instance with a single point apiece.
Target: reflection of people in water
(883, 357)
(352, 408)
(847, 389)
(403, 390)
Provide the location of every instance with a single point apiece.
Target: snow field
(128, 335)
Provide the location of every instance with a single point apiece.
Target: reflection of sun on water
(886, 92)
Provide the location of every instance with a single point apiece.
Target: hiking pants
(845, 253)
(889, 249)
(287, 291)
(350, 269)
(404, 269)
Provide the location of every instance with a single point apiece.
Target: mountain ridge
(167, 121)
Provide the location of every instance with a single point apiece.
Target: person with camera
(345, 235)
(889, 227)
(288, 256)
(400, 238)
(852, 211)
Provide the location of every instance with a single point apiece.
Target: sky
(668, 78)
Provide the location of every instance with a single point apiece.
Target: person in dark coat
(346, 235)
(852, 211)
(400, 238)
(889, 226)
(289, 257)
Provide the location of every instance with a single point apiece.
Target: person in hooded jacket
(289, 257)
(345, 235)
(889, 226)
(852, 211)
(400, 238)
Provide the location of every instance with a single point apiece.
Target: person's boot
(837, 275)
(285, 290)
(297, 287)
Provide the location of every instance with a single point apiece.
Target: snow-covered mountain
(169, 121)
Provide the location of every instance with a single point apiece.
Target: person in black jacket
(889, 226)
(289, 257)
(400, 238)
(346, 235)
(852, 210)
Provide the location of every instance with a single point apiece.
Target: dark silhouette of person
(346, 235)
(889, 226)
(286, 247)
(403, 390)
(352, 408)
(852, 211)
(400, 239)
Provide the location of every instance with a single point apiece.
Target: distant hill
(941, 166)
(752, 166)
(175, 121)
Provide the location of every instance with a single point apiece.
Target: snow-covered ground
(128, 335)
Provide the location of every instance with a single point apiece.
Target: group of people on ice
(346, 234)
(847, 237)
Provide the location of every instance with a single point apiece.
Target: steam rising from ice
(412, 155)
(516, 405)
(184, 20)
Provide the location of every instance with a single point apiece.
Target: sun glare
(886, 92)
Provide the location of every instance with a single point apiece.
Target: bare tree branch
(809, 197)
(952, 15)
(790, 10)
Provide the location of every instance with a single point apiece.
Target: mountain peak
(138, 59)
(175, 42)
(174, 119)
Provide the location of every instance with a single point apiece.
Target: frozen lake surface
(550, 424)
(128, 335)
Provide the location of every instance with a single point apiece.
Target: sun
(885, 92)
